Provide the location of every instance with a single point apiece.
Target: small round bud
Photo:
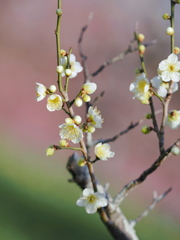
(77, 120)
(50, 151)
(145, 129)
(148, 116)
(78, 102)
(169, 31)
(59, 69)
(52, 88)
(68, 72)
(81, 162)
(137, 71)
(175, 150)
(63, 143)
(91, 129)
(176, 50)
(140, 37)
(166, 16)
(142, 49)
(59, 12)
(69, 121)
(87, 98)
(63, 52)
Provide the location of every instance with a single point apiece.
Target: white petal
(87, 192)
(72, 58)
(172, 58)
(163, 65)
(81, 202)
(175, 87)
(91, 208)
(162, 91)
(175, 77)
(156, 81)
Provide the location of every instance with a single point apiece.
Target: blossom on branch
(54, 102)
(40, 92)
(92, 200)
(140, 88)
(169, 69)
(74, 66)
(94, 117)
(162, 87)
(102, 151)
(173, 119)
(71, 132)
(89, 88)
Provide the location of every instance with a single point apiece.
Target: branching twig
(131, 185)
(156, 200)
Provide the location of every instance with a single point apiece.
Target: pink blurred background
(28, 55)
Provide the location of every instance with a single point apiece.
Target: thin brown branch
(120, 57)
(155, 201)
(133, 184)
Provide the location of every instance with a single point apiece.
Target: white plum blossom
(75, 67)
(94, 117)
(54, 102)
(140, 88)
(40, 92)
(92, 200)
(162, 87)
(173, 119)
(89, 88)
(169, 69)
(102, 151)
(71, 132)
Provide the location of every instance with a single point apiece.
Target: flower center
(91, 198)
(54, 102)
(141, 86)
(171, 68)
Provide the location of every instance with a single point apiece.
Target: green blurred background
(36, 199)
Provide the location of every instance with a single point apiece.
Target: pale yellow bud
(69, 121)
(59, 69)
(68, 72)
(59, 12)
(77, 120)
(145, 129)
(91, 129)
(142, 49)
(176, 50)
(166, 16)
(63, 143)
(141, 37)
(63, 52)
(50, 151)
(175, 150)
(81, 162)
(78, 102)
(52, 88)
(87, 98)
(169, 31)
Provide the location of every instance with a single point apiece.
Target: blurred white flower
(140, 88)
(162, 87)
(173, 119)
(92, 201)
(102, 151)
(169, 69)
(89, 88)
(54, 102)
(71, 132)
(75, 67)
(40, 92)
(94, 117)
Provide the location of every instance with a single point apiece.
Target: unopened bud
(59, 69)
(78, 102)
(176, 50)
(146, 129)
(166, 16)
(175, 150)
(52, 88)
(69, 121)
(148, 116)
(63, 52)
(59, 12)
(87, 98)
(91, 129)
(169, 31)
(63, 143)
(77, 120)
(142, 49)
(50, 151)
(81, 162)
(140, 37)
(68, 72)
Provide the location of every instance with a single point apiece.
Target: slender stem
(58, 45)
(172, 24)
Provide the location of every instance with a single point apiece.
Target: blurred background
(36, 200)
